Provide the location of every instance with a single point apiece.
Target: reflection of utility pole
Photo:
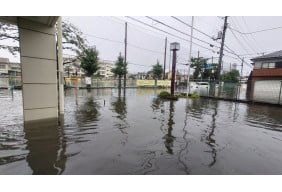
(125, 54)
(165, 58)
(221, 49)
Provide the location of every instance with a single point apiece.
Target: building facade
(105, 69)
(266, 78)
(8, 68)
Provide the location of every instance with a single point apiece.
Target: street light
(173, 47)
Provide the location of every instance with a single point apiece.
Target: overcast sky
(146, 45)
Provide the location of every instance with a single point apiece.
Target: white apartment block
(105, 69)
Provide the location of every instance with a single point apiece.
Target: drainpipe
(280, 93)
(60, 67)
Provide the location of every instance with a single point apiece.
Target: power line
(252, 36)
(192, 27)
(120, 42)
(243, 37)
(181, 31)
(138, 26)
(238, 41)
(259, 31)
(168, 33)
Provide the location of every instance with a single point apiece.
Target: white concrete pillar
(39, 70)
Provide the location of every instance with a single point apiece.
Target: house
(9, 68)
(266, 78)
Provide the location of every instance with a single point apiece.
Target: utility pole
(240, 81)
(190, 56)
(242, 68)
(125, 52)
(165, 58)
(221, 49)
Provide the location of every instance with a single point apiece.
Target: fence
(266, 91)
(8, 82)
(98, 83)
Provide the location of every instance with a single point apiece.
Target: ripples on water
(104, 132)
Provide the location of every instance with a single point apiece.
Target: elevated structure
(42, 69)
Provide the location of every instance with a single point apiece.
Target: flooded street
(103, 133)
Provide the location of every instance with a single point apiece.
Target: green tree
(231, 76)
(157, 72)
(89, 61)
(120, 69)
(199, 65)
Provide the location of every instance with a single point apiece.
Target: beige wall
(39, 70)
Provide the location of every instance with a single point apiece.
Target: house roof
(273, 55)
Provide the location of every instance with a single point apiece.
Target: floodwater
(103, 133)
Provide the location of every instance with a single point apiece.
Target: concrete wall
(39, 70)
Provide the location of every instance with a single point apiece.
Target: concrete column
(39, 70)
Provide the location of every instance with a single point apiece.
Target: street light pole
(173, 47)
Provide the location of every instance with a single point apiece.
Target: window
(271, 65)
(257, 65)
(264, 65)
(279, 65)
(2, 66)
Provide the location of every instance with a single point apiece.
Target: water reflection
(88, 112)
(210, 141)
(265, 117)
(184, 150)
(47, 147)
(169, 138)
(119, 107)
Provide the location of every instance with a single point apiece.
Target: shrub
(166, 95)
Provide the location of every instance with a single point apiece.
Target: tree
(89, 61)
(199, 65)
(120, 69)
(72, 37)
(9, 31)
(207, 71)
(157, 72)
(231, 76)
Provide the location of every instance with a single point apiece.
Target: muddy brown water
(103, 133)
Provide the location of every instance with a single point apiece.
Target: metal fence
(266, 91)
(10, 82)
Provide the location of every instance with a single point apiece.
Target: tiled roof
(276, 54)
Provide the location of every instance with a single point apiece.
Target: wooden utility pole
(165, 58)
(125, 53)
(221, 49)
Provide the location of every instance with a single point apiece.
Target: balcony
(274, 72)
